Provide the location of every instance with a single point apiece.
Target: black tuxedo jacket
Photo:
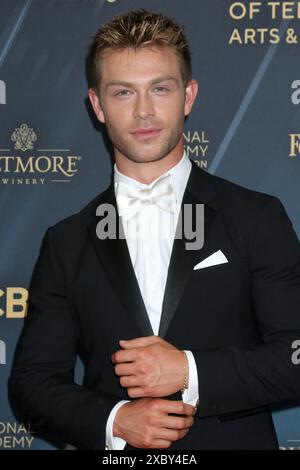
(239, 319)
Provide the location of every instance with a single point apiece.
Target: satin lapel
(182, 260)
(115, 260)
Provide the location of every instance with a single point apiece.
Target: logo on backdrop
(273, 12)
(295, 137)
(197, 147)
(15, 300)
(23, 137)
(2, 352)
(23, 164)
(14, 435)
(2, 92)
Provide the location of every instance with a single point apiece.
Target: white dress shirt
(149, 235)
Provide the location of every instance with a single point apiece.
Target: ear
(191, 92)
(95, 102)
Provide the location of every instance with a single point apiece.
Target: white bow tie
(131, 199)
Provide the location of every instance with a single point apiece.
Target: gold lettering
(235, 37)
(6, 162)
(11, 302)
(24, 167)
(294, 145)
(43, 158)
(1, 294)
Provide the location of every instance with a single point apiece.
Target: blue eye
(161, 89)
(123, 93)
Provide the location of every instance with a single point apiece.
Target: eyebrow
(152, 82)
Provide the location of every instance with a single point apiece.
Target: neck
(148, 171)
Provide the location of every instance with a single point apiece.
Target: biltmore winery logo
(24, 163)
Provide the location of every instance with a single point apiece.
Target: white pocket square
(216, 258)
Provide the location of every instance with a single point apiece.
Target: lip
(141, 134)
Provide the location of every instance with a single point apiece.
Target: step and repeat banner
(245, 127)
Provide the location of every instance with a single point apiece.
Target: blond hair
(138, 29)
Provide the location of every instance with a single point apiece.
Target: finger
(177, 422)
(160, 444)
(139, 342)
(125, 369)
(123, 356)
(129, 381)
(136, 392)
(189, 410)
(176, 407)
(170, 434)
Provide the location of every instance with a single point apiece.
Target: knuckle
(122, 381)
(148, 439)
(146, 443)
(183, 433)
(116, 356)
(143, 355)
(151, 420)
(166, 445)
(154, 405)
(182, 423)
(144, 368)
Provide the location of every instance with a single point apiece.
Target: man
(183, 348)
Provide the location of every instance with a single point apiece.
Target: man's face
(143, 102)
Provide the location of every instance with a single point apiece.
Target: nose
(143, 106)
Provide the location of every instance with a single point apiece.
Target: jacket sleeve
(233, 379)
(41, 387)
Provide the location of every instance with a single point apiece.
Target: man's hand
(149, 367)
(145, 423)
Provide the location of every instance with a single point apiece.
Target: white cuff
(114, 442)
(191, 394)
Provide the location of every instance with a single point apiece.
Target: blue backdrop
(53, 159)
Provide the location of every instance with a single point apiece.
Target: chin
(150, 159)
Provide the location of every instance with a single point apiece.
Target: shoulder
(245, 212)
(235, 200)
(72, 230)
